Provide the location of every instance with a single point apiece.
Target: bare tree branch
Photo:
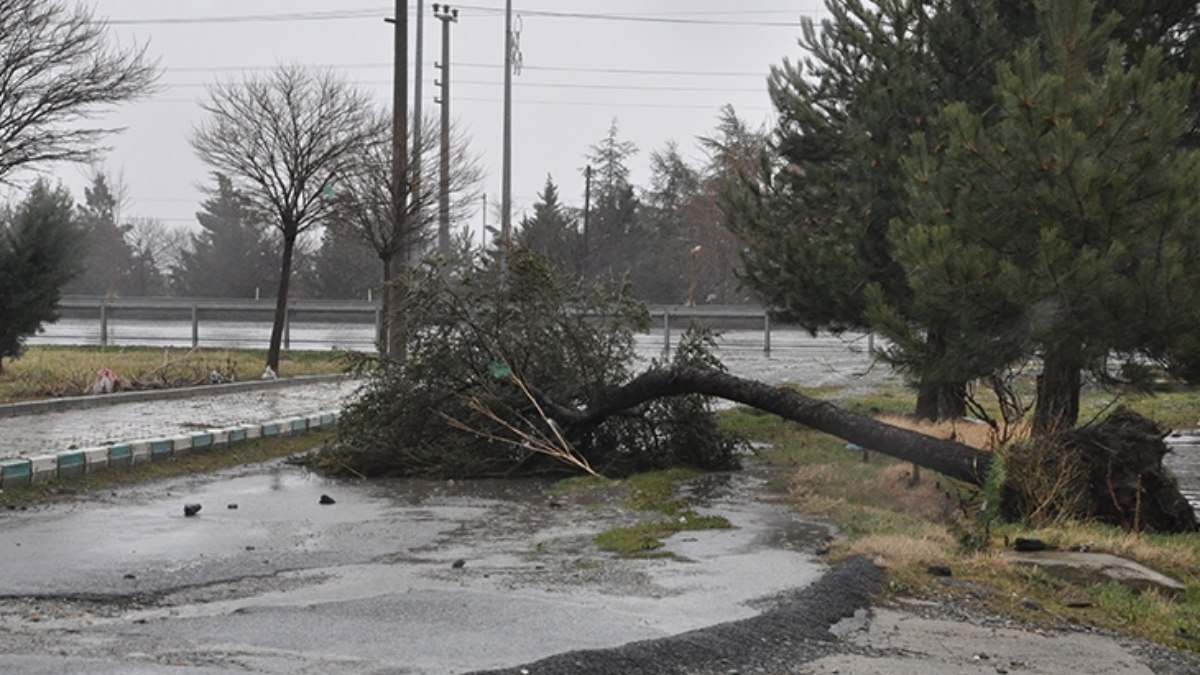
(57, 73)
(285, 140)
(364, 206)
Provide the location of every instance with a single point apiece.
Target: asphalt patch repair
(795, 631)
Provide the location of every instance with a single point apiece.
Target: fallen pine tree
(1117, 464)
(510, 370)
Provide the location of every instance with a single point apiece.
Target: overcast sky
(662, 68)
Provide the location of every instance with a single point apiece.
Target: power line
(524, 101)
(631, 71)
(589, 104)
(619, 87)
(657, 17)
(328, 15)
(493, 66)
(678, 18)
(534, 85)
(614, 104)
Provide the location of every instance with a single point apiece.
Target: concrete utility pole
(587, 212)
(393, 342)
(446, 15)
(506, 182)
(418, 143)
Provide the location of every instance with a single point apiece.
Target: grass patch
(577, 484)
(246, 452)
(654, 492)
(54, 371)
(1175, 409)
(906, 527)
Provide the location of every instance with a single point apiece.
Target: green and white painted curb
(76, 462)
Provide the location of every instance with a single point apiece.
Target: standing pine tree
(552, 232)
(814, 232)
(233, 256)
(736, 153)
(666, 259)
(614, 237)
(106, 258)
(1062, 224)
(343, 267)
(38, 241)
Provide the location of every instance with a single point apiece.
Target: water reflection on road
(1184, 462)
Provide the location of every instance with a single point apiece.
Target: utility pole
(393, 343)
(506, 182)
(418, 141)
(447, 16)
(587, 212)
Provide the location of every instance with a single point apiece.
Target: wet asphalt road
(283, 584)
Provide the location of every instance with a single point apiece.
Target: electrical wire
(677, 18)
(666, 89)
(328, 15)
(635, 105)
(640, 18)
(491, 66)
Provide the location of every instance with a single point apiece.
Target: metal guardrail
(227, 309)
(670, 319)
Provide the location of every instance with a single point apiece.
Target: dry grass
(896, 551)
(906, 527)
(923, 499)
(968, 432)
(50, 372)
(1178, 554)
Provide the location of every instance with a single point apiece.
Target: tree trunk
(952, 401)
(952, 459)
(1128, 485)
(927, 401)
(1057, 392)
(281, 301)
(391, 318)
(940, 400)
(382, 340)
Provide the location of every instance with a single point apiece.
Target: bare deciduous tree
(365, 208)
(57, 72)
(286, 139)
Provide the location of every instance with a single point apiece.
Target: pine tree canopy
(985, 182)
(38, 244)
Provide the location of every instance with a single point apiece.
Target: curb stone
(75, 463)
